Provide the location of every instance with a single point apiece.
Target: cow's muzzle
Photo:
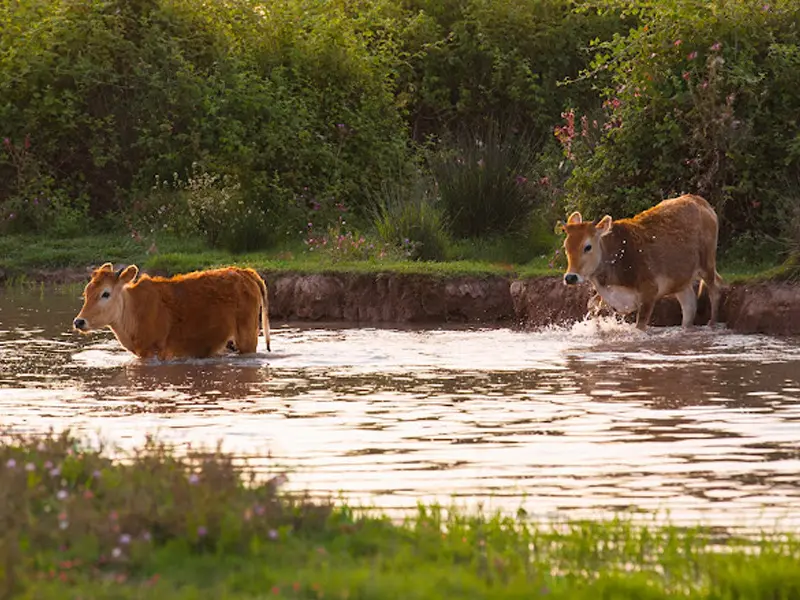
(571, 278)
(80, 324)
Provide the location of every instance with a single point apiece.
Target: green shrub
(477, 60)
(486, 180)
(703, 101)
(37, 205)
(408, 217)
(112, 94)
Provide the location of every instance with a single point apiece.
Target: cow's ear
(129, 274)
(603, 227)
(575, 218)
(106, 267)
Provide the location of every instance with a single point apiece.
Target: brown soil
(767, 307)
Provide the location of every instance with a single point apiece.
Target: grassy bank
(24, 257)
(158, 525)
(21, 256)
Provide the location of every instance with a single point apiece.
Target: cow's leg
(247, 336)
(594, 306)
(712, 283)
(648, 294)
(688, 301)
(645, 312)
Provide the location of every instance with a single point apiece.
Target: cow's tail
(264, 309)
(717, 281)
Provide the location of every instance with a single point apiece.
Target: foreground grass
(21, 256)
(76, 524)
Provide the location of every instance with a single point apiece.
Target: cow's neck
(124, 327)
(620, 251)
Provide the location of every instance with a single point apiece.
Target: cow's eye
(105, 294)
(587, 248)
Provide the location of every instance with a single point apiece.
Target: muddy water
(576, 420)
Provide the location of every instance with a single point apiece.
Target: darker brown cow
(660, 252)
(195, 315)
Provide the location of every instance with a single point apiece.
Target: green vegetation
(383, 131)
(22, 256)
(76, 524)
(26, 254)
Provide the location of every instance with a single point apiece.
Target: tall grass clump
(407, 216)
(485, 179)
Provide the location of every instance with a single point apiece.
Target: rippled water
(583, 419)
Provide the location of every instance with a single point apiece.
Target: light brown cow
(197, 315)
(660, 252)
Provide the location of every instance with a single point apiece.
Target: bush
(486, 180)
(303, 104)
(38, 205)
(409, 218)
(111, 94)
(699, 103)
(474, 61)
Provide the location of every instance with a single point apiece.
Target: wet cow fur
(196, 315)
(660, 252)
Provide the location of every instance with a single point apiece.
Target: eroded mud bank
(772, 307)
(764, 307)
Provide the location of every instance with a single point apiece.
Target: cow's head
(582, 246)
(102, 298)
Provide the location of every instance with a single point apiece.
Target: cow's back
(675, 237)
(206, 308)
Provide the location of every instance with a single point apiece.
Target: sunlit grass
(22, 256)
(161, 525)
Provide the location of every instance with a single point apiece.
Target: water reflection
(586, 419)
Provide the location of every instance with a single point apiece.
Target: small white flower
(124, 539)
(11, 463)
(62, 494)
(116, 552)
(30, 467)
